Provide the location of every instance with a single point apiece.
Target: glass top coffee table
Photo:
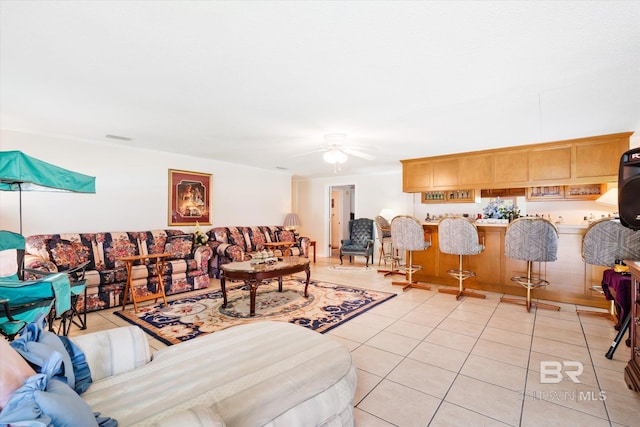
(254, 274)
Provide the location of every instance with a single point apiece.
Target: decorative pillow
(43, 401)
(13, 372)
(180, 246)
(44, 351)
(115, 245)
(64, 406)
(67, 254)
(285, 236)
(236, 237)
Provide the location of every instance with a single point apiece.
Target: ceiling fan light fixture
(334, 156)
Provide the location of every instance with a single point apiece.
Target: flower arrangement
(500, 209)
(199, 238)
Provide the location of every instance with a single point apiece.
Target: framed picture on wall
(189, 197)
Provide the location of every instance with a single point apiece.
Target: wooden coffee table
(254, 274)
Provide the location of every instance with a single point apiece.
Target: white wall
(372, 194)
(132, 189)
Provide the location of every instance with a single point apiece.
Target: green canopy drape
(20, 172)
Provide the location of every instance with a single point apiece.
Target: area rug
(185, 318)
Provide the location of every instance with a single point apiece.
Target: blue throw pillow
(64, 406)
(47, 402)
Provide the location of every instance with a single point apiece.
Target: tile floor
(425, 359)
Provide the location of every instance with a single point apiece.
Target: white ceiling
(260, 83)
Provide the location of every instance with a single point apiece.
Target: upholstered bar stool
(604, 242)
(599, 247)
(459, 236)
(407, 234)
(383, 228)
(531, 240)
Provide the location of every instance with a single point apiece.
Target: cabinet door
(416, 176)
(599, 159)
(445, 173)
(475, 170)
(511, 167)
(550, 163)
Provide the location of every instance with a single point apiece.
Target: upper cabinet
(550, 163)
(417, 175)
(600, 156)
(577, 161)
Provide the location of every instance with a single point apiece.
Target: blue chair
(360, 241)
(24, 301)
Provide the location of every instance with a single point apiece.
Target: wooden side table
(313, 245)
(128, 261)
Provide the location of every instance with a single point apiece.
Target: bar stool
(407, 234)
(604, 242)
(459, 236)
(383, 229)
(532, 240)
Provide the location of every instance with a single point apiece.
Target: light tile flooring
(425, 359)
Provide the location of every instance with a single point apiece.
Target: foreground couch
(106, 277)
(231, 244)
(257, 374)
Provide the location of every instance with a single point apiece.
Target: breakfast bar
(570, 277)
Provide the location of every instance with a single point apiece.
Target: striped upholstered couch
(233, 243)
(257, 374)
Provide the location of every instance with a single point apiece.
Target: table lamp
(292, 222)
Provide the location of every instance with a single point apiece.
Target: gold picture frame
(189, 197)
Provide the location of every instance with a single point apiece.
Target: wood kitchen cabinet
(417, 175)
(507, 167)
(445, 173)
(591, 160)
(550, 163)
(599, 157)
(476, 170)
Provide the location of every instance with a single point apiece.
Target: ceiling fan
(336, 153)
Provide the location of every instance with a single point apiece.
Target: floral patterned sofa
(106, 277)
(240, 243)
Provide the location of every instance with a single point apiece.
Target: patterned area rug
(327, 306)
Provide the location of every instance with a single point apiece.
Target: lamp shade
(386, 213)
(292, 220)
(610, 198)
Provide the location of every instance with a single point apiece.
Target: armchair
(360, 241)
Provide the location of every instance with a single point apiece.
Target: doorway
(341, 210)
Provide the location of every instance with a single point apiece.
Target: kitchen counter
(504, 225)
